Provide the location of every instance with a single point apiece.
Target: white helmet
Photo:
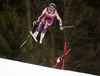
(52, 5)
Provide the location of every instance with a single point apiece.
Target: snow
(16, 68)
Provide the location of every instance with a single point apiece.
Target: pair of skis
(30, 33)
(65, 53)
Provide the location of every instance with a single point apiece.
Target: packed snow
(16, 68)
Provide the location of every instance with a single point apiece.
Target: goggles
(51, 8)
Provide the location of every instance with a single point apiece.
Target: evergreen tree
(12, 30)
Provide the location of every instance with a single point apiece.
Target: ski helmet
(52, 5)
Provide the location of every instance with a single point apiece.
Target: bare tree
(28, 13)
(65, 19)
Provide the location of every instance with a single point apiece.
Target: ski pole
(27, 38)
(67, 27)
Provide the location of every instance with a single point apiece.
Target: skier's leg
(41, 38)
(48, 23)
(39, 26)
(38, 29)
(43, 32)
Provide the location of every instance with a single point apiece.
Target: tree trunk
(28, 14)
(28, 20)
(66, 17)
(52, 41)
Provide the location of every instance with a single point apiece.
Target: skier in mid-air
(46, 18)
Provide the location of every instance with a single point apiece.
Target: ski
(27, 38)
(65, 53)
(64, 56)
(25, 41)
(33, 36)
(63, 60)
(55, 65)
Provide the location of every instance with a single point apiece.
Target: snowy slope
(15, 68)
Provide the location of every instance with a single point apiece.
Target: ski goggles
(51, 8)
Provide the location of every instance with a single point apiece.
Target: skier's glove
(35, 22)
(61, 27)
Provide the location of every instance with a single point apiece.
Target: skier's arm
(58, 18)
(60, 21)
(42, 15)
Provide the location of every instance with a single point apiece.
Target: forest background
(16, 17)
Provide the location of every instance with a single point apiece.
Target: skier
(59, 59)
(46, 18)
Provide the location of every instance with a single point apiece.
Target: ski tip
(19, 47)
(30, 32)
